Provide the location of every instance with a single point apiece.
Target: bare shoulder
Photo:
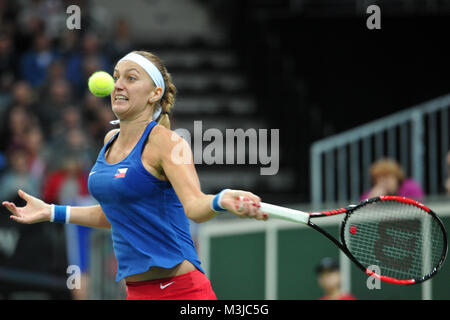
(110, 134)
(163, 140)
(163, 137)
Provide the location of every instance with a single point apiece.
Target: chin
(119, 109)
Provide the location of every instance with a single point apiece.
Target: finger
(242, 206)
(249, 207)
(263, 216)
(252, 197)
(239, 204)
(17, 219)
(25, 196)
(11, 208)
(252, 209)
(255, 212)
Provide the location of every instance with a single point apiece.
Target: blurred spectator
(56, 72)
(18, 176)
(7, 53)
(24, 96)
(96, 18)
(120, 43)
(8, 69)
(66, 184)
(90, 65)
(35, 62)
(71, 119)
(329, 278)
(105, 115)
(35, 146)
(50, 11)
(91, 54)
(72, 143)
(95, 112)
(52, 106)
(8, 11)
(69, 44)
(3, 163)
(388, 179)
(14, 128)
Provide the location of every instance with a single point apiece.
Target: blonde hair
(167, 101)
(384, 167)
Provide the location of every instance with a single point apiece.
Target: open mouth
(120, 97)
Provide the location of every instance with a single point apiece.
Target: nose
(118, 84)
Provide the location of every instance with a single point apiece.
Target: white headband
(152, 71)
(149, 67)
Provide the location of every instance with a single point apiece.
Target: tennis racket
(402, 237)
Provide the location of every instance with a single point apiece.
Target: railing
(417, 137)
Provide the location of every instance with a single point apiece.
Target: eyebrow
(128, 70)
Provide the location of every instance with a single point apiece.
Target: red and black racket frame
(343, 246)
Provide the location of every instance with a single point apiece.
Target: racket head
(403, 238)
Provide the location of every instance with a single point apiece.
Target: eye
(131, 78)
(115, 78)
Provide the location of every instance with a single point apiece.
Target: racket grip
(283, 213)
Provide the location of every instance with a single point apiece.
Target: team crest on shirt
(121, 173)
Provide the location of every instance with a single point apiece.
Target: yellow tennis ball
(101, 84)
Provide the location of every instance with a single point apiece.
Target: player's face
(133, 90)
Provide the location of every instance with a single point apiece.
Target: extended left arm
(177, 163)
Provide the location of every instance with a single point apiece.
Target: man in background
(329, 278)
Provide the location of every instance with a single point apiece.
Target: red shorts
(193, 285)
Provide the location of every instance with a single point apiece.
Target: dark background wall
(316, 73)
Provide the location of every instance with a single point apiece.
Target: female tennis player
(145, 193)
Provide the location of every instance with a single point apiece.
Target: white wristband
(66, 218)
(216, 202)
(68, 208)
(52, 213)
(219, 200)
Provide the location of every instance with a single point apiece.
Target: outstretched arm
(177, 163)
(36, 211)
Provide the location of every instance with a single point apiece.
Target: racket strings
(401, 240)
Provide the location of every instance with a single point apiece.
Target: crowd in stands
(51, 126)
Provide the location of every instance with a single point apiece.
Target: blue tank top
(148, 224)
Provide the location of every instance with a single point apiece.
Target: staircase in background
(213, 90)
(211, 87)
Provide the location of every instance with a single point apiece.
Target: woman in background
(388, 179)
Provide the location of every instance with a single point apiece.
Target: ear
(155, 96)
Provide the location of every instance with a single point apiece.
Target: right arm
(37, 210)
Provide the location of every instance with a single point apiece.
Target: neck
(333, 293)
(130, 131)
(133, 127)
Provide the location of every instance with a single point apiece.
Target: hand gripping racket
(402, 237)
